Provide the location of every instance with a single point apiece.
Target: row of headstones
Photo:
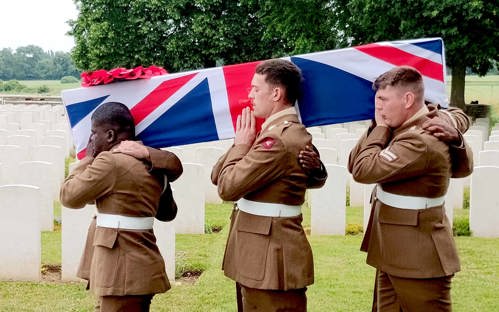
(20, 236)
(328, 217)
(43, 175)
(21, 116)
(480, 139)
(328, 211)
(44, 168)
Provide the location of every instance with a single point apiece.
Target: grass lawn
(343, 281)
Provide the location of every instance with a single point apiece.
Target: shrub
(353, 229)
(69, 79)
(461, 226)
(13, 85)
(43, 89)
(466, 198)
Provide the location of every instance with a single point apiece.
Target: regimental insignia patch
(268, 143)
(388, 155)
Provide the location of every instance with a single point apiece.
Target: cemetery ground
(343, 281)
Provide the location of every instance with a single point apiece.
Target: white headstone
(43, 175)
(10, 156)
(328, 155)
(53, 154)
(188, 191)
(165, 239)
(25, 141)
(20, 233)
(328, 204)
(323, 143)
(489, 158)
(57, 141)
(332, 130)
(30, 132)
(484, 203)
(490, 145)
(74, 230)
(475, 143)
(368, 190)
(208, 156)
(455, 195)
(346, 146)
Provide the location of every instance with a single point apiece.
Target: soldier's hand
(309, 160)
(90, 151)
(442, 130)
(133, 148)
(245, 128)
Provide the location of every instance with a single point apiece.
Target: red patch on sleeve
(268, 143)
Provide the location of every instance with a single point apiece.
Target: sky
(36, 22)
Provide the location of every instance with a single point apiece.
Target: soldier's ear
(409, 99)
(277, 93)
(111, 135)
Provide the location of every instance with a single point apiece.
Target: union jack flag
(202, 105)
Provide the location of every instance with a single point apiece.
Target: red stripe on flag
(158, 96)
(399, 57)
(81, 153)
(238, 82)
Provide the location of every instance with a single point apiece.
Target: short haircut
(116, 115)
(404, 76)
(282, 73)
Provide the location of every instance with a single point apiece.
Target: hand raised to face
(245, 127)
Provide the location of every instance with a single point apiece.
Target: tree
(300, 26)
(468, 27)
(31, 62)
(175, 34)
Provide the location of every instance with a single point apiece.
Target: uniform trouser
(123, 303)
(251, 299)
(395, 294)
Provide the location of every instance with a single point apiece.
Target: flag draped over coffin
(202, 105)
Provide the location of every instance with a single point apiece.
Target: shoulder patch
(388, 155)
(268, 142)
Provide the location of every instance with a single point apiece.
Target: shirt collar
(421, 112)
(288, 111)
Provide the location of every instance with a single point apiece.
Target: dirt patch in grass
(51, 272)
(189, 277)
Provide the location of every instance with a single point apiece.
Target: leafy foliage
(300, 26)
(176, 34)
(469, 29)
(31, 62)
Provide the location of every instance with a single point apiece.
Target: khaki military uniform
(267, 252)
(408, 235)
(118, 261)
(462, 155)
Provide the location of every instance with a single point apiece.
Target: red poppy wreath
(102, 76)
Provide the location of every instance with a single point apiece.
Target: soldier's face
(262, 96)
(100, 138)
(390, 106)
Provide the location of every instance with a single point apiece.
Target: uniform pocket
(145, 273)
(252, 244)
(400, 237)
(105, 260)
(446, 248)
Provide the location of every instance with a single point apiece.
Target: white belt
(268, 209)
(124, 222)
(407, 202)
